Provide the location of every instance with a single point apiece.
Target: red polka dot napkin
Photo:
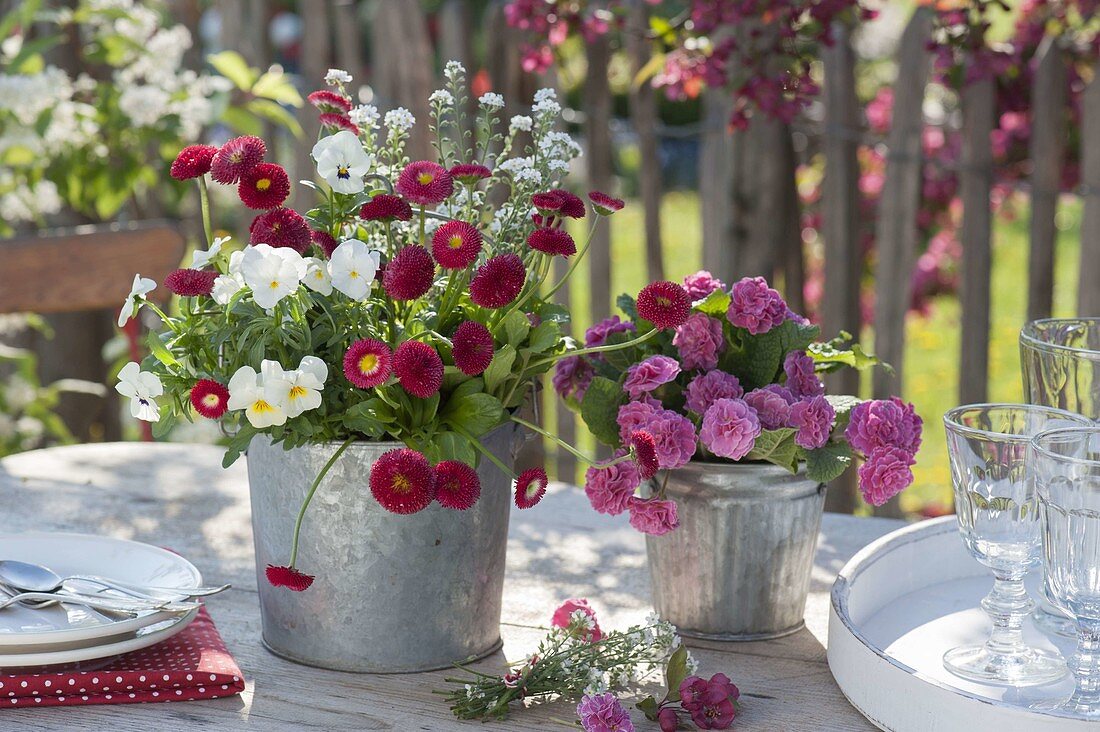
(193, 664)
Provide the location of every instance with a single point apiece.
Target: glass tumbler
(1065, 467)
(998, 519)
(1060, 362)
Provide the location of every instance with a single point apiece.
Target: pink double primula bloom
(611, 489)
(705, 389)
(648, 375)
(888, 432)
(730, 428)
(653, 516)
(756, 307)
(673, 434)
(699, 342)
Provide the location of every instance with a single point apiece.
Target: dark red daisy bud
(498, 282)
(209, 398)
(193, 161)
(338, 122)
(665, 304)
(419, 368)
(288, 577)
(191, 282)
(236, 157)
(402, 481)
(385, 207)
(571, 205)
(472, 348)
(644, 449)
(325, 241)
(470, 173)
(326, 100)
(531, 487)
(264, 186)
(456, 244)
(552, 241)
(410, 274)
(456, 485)
(548, 203)
(605, 205)
(281, 227)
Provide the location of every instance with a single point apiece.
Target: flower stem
(600, 349)
(576, 260)
(204, 206)
(557, 440)
(309, 497)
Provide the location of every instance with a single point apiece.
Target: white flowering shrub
(95, 142)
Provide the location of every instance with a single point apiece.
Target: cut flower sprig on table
(403, 306)
(736, 379)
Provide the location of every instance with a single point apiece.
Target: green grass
(932, 363)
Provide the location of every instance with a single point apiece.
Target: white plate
(142, 638)
(69, 554)
(897, 606)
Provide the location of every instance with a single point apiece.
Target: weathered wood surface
(597, 156)
(643, 114)
(178, 496)
(1088, 292)
(1048, 132)
(85, 268)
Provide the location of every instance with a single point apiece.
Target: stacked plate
(70, 634)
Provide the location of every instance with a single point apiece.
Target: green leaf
(544, 337)
(676, 672)
(832, 354)
(475, 414)
(776, 447)
(271, 111)
(243, 122)
(827, 463)
(600, 409)
(554, 312)
(276, 86)
(649, 708)
(156, 347)
(451, 446)
(516, 327)
(500, 368)
(232, 66)
(626, 304)
(238, 443)
(472, 386)
(163, 426)
(715, 304)
(758, 359)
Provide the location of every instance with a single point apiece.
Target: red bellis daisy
(530, 487)
(402, 481)
(193, 161)
(472, 348)
(425, 183)
(552, 241)
(368, 363)
(281, 227)
(604, 204)
(209, 398)
(498, 282)
(288, 577)
(665, 304)
(410, 274)
(338, 122)
(264, 186)
(237, 157)
(419, 368)
(571, 205)
(456, 244)
(456, 485)
(548, 203)
(190, 282)
(386, 208)
(644, 449)
(329, 101)
(470, 173)
(325, 241)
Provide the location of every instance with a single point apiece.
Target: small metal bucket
(738, 568)
(393, 593)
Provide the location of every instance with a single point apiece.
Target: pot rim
(753, 466)
(360, 444)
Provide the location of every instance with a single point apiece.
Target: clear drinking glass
(1060, 360)
(1065, 467)
(996, 508)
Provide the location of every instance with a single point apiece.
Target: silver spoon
(36, 578)
(117, 606)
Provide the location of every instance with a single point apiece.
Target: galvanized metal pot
(738, 568)
(392, 593)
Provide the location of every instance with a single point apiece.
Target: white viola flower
(399, 120)
(235, 260)
(491, 100)
(365, 116)
(337, 76)
(441, 96)
(271, 276)
(342, 161)
(225, 287)
(203, 257)
(352, 267)
(521, 122)
(454, 70)
(142, 286)
(263, 400)
(143, 388)
(317, 277)
(288, 255)
(304, 384)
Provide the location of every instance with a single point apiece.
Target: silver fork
(97, 603)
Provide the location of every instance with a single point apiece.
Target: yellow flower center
(263, 184)
(297, 392)
(368, 363)
(455, 242)
(354, 274)
(261, 406)
(342, 172)
(663, 301)
(425, 178)
(401, 484)
(211, 400)
(274, 284)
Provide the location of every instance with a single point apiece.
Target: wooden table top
(178, 496)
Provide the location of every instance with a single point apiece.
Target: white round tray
(897, 606)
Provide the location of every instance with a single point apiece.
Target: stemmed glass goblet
(998, 520)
